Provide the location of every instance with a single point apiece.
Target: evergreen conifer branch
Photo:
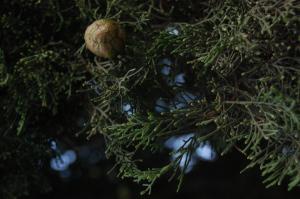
(240, 59)
(247, 74)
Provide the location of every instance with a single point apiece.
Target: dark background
(208, 180)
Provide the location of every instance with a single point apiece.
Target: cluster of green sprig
(39, 74)
(242, 58)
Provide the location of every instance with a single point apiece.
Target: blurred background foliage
(215, 76)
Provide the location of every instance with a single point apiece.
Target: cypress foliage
(240, 60)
